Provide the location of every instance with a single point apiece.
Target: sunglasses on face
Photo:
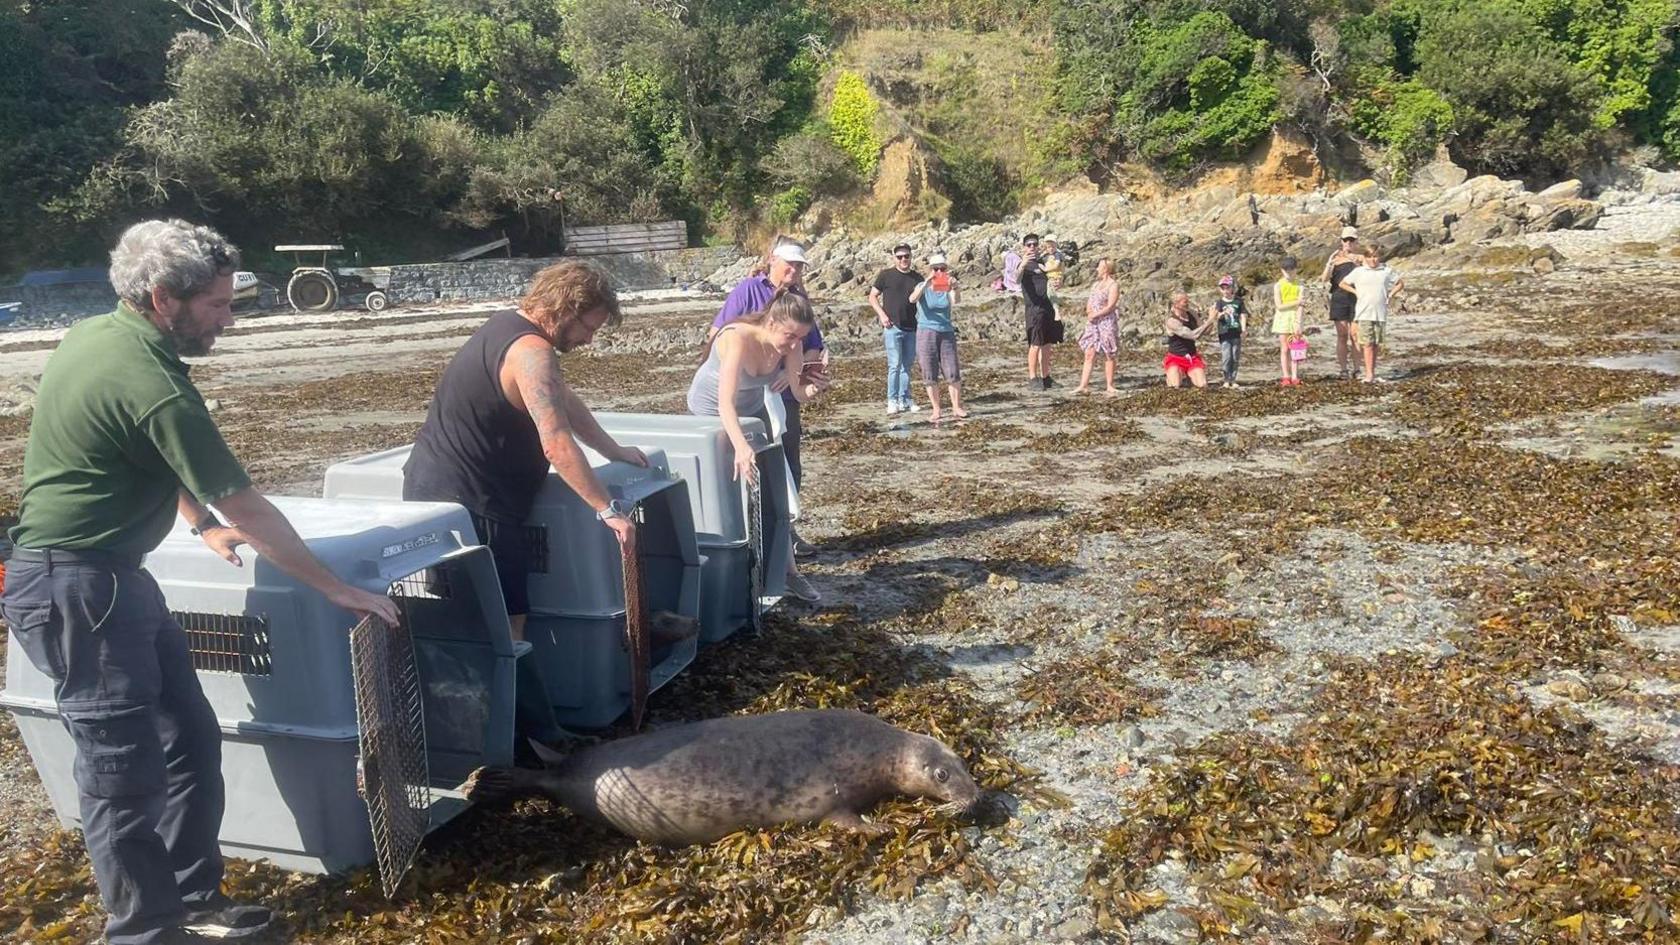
(897, 256)
(938, 268)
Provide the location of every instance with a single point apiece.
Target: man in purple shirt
(784, 267)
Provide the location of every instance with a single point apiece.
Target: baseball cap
(789, 252)
(937, 259)
(1350, 233)
(1225, 281)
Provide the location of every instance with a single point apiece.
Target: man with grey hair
(119, 444)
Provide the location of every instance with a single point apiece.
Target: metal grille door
(394, 777)
(755, 548)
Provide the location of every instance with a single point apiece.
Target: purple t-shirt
(751, 296)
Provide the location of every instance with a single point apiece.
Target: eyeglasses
(901, 255)
(938, 268)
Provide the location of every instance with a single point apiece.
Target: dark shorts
(936, 354)
(1043, 328)
(510, 548)
(1340, 312)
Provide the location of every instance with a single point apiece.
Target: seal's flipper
(667, 627)
(500, 785)
(851, 821)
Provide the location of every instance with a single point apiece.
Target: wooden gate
(625, 238)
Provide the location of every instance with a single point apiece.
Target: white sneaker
(892, 408)
(799, 587)
(910, 407)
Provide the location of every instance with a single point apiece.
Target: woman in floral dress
(1102, 332)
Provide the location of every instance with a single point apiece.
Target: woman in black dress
(1342, 262)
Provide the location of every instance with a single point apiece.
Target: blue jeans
(1230, 352)
(148, 748)
(901, 353)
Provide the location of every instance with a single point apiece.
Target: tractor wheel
(312, 291)
(376, 301)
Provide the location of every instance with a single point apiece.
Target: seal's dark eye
(941, 775)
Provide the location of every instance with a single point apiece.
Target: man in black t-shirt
(1341, 263)
(890, 298)
(1043, 328)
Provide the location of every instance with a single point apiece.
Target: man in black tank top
(503, 414)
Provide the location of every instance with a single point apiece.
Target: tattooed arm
(531, 378)
(588, 431)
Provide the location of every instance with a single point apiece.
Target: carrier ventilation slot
(536, 538)
(227, 643)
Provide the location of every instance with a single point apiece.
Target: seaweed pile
(1424, 803)
(1085, 689)
(534, 873)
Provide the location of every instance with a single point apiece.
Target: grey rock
(1132, 737)
(1073, 930)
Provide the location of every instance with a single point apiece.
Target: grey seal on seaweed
(696, 782)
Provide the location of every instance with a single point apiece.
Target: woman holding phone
(748, 357)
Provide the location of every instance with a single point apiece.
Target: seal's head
(929, 769)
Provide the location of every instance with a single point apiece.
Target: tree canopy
(379, 120)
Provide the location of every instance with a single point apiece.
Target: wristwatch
(617, 508)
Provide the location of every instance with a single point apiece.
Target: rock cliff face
(908, 189)
(1189, 239)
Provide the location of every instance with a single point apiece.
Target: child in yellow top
(1286, 323)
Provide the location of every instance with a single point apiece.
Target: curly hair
(563, 292)
(172, 255)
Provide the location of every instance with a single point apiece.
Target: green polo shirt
(118, 430)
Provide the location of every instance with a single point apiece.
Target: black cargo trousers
(148, 748)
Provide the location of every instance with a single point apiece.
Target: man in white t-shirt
(1374, 286)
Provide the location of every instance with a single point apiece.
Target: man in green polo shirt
(119, 444)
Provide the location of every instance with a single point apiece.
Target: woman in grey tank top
(749, 388)
(751, 357)
(748, 356)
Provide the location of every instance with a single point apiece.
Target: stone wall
(471, 281)
(72, 298)
(483, 279)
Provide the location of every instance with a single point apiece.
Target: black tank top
(1342, 302)
(1184, 347)
(475, 448)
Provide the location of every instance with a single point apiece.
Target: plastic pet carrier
(745, 534)
(593, 660)
(315, 716)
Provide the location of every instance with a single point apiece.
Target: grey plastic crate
(577, 591)
(698, 450)
(273, 658)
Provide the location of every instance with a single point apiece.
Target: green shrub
(1408, 117)
(812, 161)
(851, 122)
(1519, 105)
(1173, 91)
(786, 206)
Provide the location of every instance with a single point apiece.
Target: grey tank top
(749, 394)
